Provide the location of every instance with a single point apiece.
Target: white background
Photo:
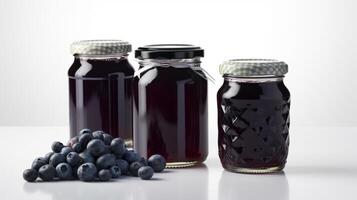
(317, 38)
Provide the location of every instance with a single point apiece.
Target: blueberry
(47, 172)
(96, 147)
(87, 172)
(145, 172)
(73, 141)
(123, 165)
(30, 175)
(66, 150)
(77, 147)
(87, 157)
(56, 159)
(57, 147)
(98, 135)
(115, 171)
(117, 146)
(107, 138)
(64, 171)
(131, 156)
(48, 156)
(83, 131)
(73, 158)
(105, 161)
(104, 175)
(144, 161)
(84, 139)
(38, 162)
(134, 167)
(157, 162)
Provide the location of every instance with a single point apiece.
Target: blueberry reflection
(253, 187)
(171, 184)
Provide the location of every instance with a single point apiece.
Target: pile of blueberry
(92, 156)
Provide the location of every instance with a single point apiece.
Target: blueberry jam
(100, 96)
(253, 123)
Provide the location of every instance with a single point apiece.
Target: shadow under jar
(100, 81)
(170, 104)
(253, 116)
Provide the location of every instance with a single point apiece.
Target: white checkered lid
(253, 67)
(100, 47)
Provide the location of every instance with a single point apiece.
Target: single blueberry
(117, 146)
(134, 167)
(30, 175)
(144, 161)
(87, 157)
(56, 159)
(73, 158)
(83, 131)
(107, 138)
(104, 175)
(115, 171)
(84, 139)
(96, 147)
(47, 172)
(145, 172)
(66, 150)
(77, 147)
(131, 156)
(64, 171)
(48, 156)
(73, 141)
(98, 135)
(57, 147)
(123, 165)
(87, 172)
(38, 162)
(157, 162)
(105, 161)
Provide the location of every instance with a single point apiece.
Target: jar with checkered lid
(253, 116)
(100, 88)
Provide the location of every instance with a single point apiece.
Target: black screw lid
(168, 51)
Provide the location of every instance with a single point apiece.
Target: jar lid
(253, 67)
(100, 47)
(168, 51)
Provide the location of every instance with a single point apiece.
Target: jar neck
(178, 63)
(101, 57)
(253, 79)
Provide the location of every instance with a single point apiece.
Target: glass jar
(100, 88)
(253, 116)
(170, 104)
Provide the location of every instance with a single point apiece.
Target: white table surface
(322, 164)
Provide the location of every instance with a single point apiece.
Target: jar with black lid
(253, 116)
(100, 88)
(170, 104)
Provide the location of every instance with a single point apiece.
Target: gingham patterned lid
(253, 67)
(100, 47)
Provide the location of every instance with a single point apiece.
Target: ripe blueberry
(131, 156)
(73, 158)
(134, 167)
(57, 147)
(104, 175)
(96, 147)
(107, 138)
(56, 159)
(87, 172)
(64, 171)
(30, 175)
(38, 162)
(105, 161)
(87, 157)
(84, 139)
(47, 172)
(117, 146)
(66, 150)
(115, 171)
(98, 135)
(83, 131)
(145, 172)
(157, 162)
(123, 165)
(77, 147)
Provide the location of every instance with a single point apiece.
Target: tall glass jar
(253, 116)
(100, 81)
(170, 104)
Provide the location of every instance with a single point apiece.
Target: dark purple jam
(170, 114)
(253, 124)
(100, 96)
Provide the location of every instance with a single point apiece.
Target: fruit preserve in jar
(170, 104)
(100, 88)
(253, 116)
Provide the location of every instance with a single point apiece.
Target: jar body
(100, 95)
(170, 115)
(253, 124)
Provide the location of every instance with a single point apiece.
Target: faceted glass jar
(253, 123)
(170, 111)
(100, 95)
